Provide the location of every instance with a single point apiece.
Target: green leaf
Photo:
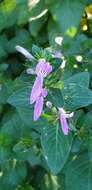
(22, 37)
(14, 174)
(11, 128)
(56, 147)
(68, 14)
(81, 78)
(87, 120)
(20, 98)
(3, 53)
(36, 25)
(26, 115)
(53, 31)
(56, 62)
(36, 51)
(79, 173)
(76, 96)
(27, 155)
(5, 91)
(55, 96)
(36, 8)
(23, 14)
(3, 67)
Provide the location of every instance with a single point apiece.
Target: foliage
(36, 155)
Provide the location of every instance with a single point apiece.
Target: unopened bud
(24, 52)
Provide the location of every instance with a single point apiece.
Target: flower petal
(44, 92)
(36, 90)
(48, 68)
(64, 124)
(24, 52)
(40, 66)
(38, 107)
(43, 68)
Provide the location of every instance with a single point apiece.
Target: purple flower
(63, 120)
(38, 93)
(43, 69)
(25, 52)
(57, 54)
(39, 103)
(36, 89)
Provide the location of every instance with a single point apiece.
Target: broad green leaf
(27, 155)
(3, 67)
(56, 147)
(18, 173)
(36, 25)
(36, 8)
(76, 96)
(88, 120)
(5, 154)
(81, 78)
(23, 14)
(68, 14)
(3, 53)
(20, 98)
(26, 115)
(14, 173)
(79, 173)
(22, 37)
(13, 130)
(5, 91)
(55, 96)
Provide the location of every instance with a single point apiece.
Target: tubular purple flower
(43, 68)
(38, 93)
(63, 120)
(38, 107)
(39, 104)
(25, 52)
